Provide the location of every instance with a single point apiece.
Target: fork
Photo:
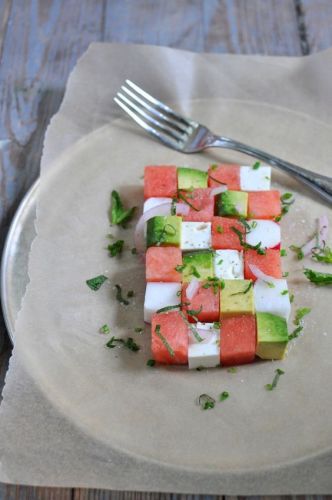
(188, 136)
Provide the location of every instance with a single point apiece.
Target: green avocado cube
(190, 178)
(197, 265)
(232, 203)
(237, 297)
(164, 231)
(272, 336)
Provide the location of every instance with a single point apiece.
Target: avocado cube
(198, 265)
(164, 231)
(232, 203)
(190, 178)
(272, 336)
(237, 297)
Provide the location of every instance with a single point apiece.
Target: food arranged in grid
(215, 292)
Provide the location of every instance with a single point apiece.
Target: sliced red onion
(217, 190)
(323, 227)
(308, 247)
(192, 288)
(260, 275)
(182, 209)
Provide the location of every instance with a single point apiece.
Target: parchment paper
(77, 414)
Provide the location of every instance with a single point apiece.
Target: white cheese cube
(255, 179)
(195, 235)
(159, 295)
(228, 264)
(154, 202)
(266, 232)
(207, 352)
(272, 296)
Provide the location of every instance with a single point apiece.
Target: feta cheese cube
(158, 295)
(228, 264)
(255, 179)
(266, 232)
(154, 202)
(272, 297)
(207, 352)
(196, 235)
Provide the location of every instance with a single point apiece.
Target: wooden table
(40, 42)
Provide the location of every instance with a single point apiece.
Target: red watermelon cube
(237, 340)
(169, 338)
(160, 181)
(205, 300)
(200, 203)
(269, 263)
(223, 236)
(264, 204)
(161, 263)
(225, 174)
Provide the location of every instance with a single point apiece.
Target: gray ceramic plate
(15, 258)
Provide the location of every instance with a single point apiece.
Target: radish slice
(323, 227)
(260, 275)
(308, 247)
(217, 190)
(192, 289)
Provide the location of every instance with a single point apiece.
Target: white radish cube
(255, 179)
(195, 235)
(228, 264)
(266, 232)
(207, 352)
(159, 295)
(154, 202)
(272, 296)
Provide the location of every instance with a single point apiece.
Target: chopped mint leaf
(206, 402)
(278, 373)
(194, 312)
(291, 298)
(169, 230)
(150, 362)
(217, 181)
(283, 252)
(298, 251)
(285, 275)
(119, 297)
(164, 341)
(130, 294)
(192, 328)
(232, 369)
(286, 197)
(270, 284)
(216, 325)
(134, 251)
(220, 262)
(299, 315)
(168, 308)
(104, 329)
(284, 292)
(246, 290)
(95, 283)
(173, 206)
(184, 199)
(322, 255)
(320, 279)
(259, 249)
(118, 214)
(180, 268)
(194, 272)
(295, 333)
(220, 229)
(256, 165)
(224, 395)
(128, 343)
(138, 329)
(214, 166)
(116, 248)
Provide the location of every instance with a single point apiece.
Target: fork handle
(321, 184)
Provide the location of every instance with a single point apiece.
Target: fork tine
(157, 135)
(171, 121)
(159, 104)
(168, 130)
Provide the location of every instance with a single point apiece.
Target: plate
(110, 394)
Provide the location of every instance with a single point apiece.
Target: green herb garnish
(118, 214)
(283, 252)
(216, 325)
(134, 251)
(130, 294)
(232, 369)
(169, 230)
(216, 180)
(173, 206)
(224, 395)
(278, 373)
(119, 297)
(219, 229)
(183, 198)
(258, 248)
(194, 272)
(269, 284)
(215, 283)
(299, 315)
(322, 255)
(206, 402)
(320, 279)
(150, 362)
(295, 333)
(284, 292)
(95, 283)
(168, 308)
(214, 166)
(180, 268)
(284, 275)
(104, 329)
(298, 251)
(192, 328)
(256, 165)
(220, 262)
(246, 225)
(138, 329)
(286, 200)
(246, 290)
(116, 248)
(128, 343)
(164, 341)
(291, 298)
(194, 312)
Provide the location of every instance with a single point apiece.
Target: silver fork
(188, 136)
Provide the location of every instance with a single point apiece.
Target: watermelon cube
(223, 236)
(269, 263)
(238, 340)
(161, 264)
(164, 231)
(252, 179)
(272, 336)
(200, 203)
(264, 204)
(228, 264)
(266, 232)
(204, 353)
(237, 298)
(195, 235)
(159, 295)
(197, 265)
(204, 304)
(272, 297)
(232, 204)
(169, 338)
(225, 174)
(160, 181)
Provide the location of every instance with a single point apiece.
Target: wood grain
(317, 16)
(13, 492)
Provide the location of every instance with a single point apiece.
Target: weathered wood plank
(84, 494)
(317, 18)
(13, 492)
(234, 26)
